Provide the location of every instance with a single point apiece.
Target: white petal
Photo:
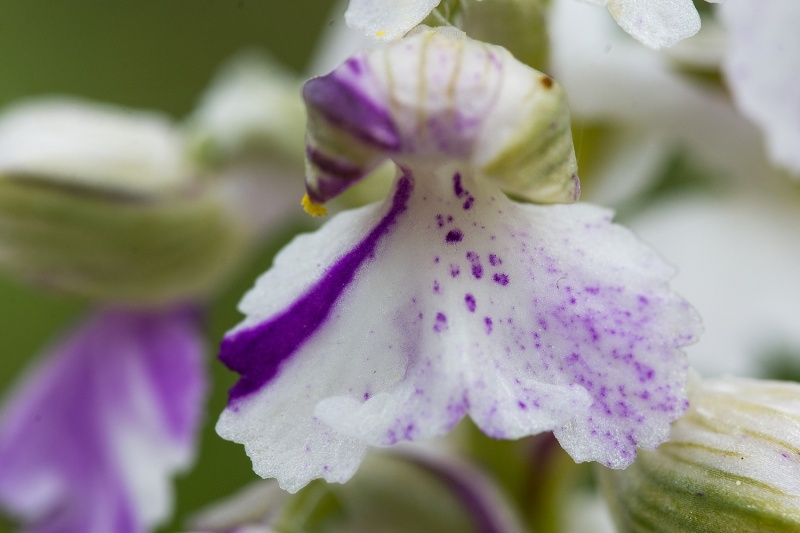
(387, 19)
(763, 69)
(656, 23)
(395, 321)
(92, 145)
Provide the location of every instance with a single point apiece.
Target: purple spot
(257, 353)
(500, 279)
(643, 300)
(475, 261)
(494, 260)
(488, 323)
(354, 65)
(440, 220)
(458, 189)
(470, 301)
(436, 259)
(453, 236)
(441, 323)
(468, 203)
(454, 271)
(343, 105)
(366, 395)
(436, 286)
(522, 405)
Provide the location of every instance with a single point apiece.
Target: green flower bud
(98, 202)
(732, 464)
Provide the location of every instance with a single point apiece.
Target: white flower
(762, 66)
(396, 320)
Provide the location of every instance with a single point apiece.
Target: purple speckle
(494, 260)
(487, 321)
(454, 271)
(470, 301)
(436, 287)
(441, 322)
(500, 279)
(458, 189)
(522, 405)
(366, 396)
(468, 203)
(440, 221)
(454, 236)
(475, 261)
(436, 259)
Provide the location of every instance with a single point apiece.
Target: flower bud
(99, 202)
(253, 109)
(731, 464)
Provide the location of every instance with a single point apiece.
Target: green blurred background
(156, 54)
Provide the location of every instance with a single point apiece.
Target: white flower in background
(655, 23)
(75, 143)
(388, 19)
(396, 320)
(762, 67)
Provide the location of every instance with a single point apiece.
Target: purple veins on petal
(346, 106)
(333, 166)
(257, 353)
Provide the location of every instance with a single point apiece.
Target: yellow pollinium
(312, 208)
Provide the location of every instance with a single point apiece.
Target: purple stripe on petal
(89, 440)
(257, 353)
(348, 108)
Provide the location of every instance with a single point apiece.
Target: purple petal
(89, 440)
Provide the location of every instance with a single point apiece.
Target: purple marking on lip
(475, 261)
(501, 279)
(342, 104)
(470, 301)
(458, 189)
(454, 236)
(257, 353)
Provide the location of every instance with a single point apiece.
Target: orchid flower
(395, 321)
(654, 23)
(95, 432)
(762, 67)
